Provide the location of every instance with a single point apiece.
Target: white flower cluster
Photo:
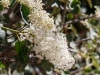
(33, 4)
(5, 3)
(48, 42)
(41, 20)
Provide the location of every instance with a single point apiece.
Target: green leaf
(66, 72)
(12, 3)
(70, 37)
(55, 11)
(21, 50)
(46, 65)
(6, 18)
(94, 22)
(1, 7)
(74, 30)
(95, 62)
(76, 10)
(70, 16)
(88, 69)
(24, 13)
(97, 71)
(75, 3)
(1, 65)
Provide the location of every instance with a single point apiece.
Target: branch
(49, 4)
(76, 71)
(80, 69)
(12, 30)
(7, 56)
(64, 14)
(85, 39)
(78, 20)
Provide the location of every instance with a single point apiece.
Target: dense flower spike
(48, 42)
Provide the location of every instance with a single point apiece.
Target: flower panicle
(47, 44)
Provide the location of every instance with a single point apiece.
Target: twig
(49, 5)
(78, 20)
(81, 69)
(73, 72)
(85, 39)
(64, 14)
(12, 30)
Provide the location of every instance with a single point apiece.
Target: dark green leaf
(75, 3)
(12, 3)
(70, 37)
(66, 72)
(46, 65)
(1, 7)
(76, 10)
(24, 13)
(21, 50)
(6, 18)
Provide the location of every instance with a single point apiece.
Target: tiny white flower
(5, 3)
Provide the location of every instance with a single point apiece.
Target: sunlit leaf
(74, 30)
(95, 62)
(1, 65)
(70, 16)
(55, 11)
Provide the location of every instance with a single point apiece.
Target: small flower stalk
(48, 42)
